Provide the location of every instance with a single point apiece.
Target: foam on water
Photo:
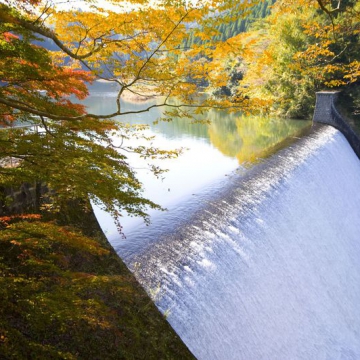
(271, 269)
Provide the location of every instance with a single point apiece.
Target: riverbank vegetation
(304, 46)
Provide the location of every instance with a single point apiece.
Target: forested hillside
(281, 60)
(303, 47)
(241, 24)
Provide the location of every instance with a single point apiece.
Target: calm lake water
(230, 143)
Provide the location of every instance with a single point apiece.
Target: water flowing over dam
(269, 266)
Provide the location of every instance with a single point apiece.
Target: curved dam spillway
(269, 268)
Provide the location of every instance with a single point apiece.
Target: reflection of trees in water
(223, 133)
(194, 126)
(249, 138)
(262, 135)
(179, 126)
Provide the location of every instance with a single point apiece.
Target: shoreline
(141, 94)
(130, 97)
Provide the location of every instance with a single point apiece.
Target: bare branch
(158, 48)
(329, 12)
(27, 108)
(41, 30)
(332, 10)
(45, 126)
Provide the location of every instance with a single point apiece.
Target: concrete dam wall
(269, 268)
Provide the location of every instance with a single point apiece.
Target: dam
(268, 266)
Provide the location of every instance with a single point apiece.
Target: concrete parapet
(326, 113)
(325, 100)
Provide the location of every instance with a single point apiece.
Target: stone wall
(21, 200)
(326, 113)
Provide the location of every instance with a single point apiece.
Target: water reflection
(229, 142)
(251, 138)
(246, 138)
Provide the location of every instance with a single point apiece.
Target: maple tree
(140, 50)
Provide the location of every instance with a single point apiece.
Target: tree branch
(158, 48)
(6, 17)
(329, 12)
(324, 8)
(26, 108)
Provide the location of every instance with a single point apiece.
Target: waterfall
(270, 267)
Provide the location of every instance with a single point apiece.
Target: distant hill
(229, 30)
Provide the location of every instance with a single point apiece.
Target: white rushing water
(271, 268)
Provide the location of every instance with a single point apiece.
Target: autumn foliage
(49, 54)
(65, 296)
(304, 46)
